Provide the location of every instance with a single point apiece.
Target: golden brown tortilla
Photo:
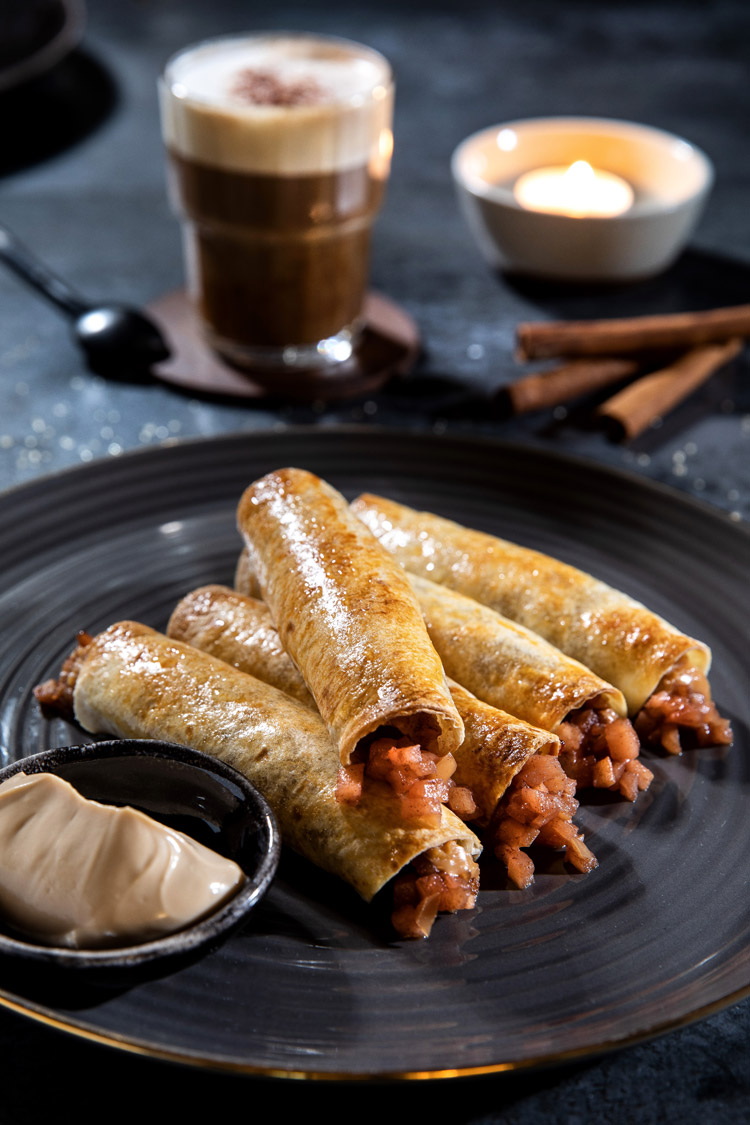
(346, 614)
(499, 661)
(238, 629)
(506, 664)
(616, 637)
(136, 683)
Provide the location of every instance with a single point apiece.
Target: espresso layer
(213, 196)
(281, 292)
(277, 261)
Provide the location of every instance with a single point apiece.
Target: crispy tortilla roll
(505, 663)
(516, 670)
(135, 683)
(240, 631)
(658, 669)
(346, 614)
(497, 749)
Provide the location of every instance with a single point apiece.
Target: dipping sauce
(83, 875)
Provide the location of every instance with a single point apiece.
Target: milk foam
(206, 119)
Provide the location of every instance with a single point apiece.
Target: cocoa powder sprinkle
(263, 87)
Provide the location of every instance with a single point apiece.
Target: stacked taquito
(661, 672)
(518, 672)
(133, 682)
(346, 615)
(520, 793)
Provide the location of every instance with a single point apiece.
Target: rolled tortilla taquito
(133, 682)
(517, 671)
(519, 799)
(514, 669)
(660, 671)
(346, 614)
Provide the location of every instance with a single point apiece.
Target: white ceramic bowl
(671, 179)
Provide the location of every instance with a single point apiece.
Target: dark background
(82, 182)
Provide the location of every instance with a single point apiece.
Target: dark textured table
(82, 181)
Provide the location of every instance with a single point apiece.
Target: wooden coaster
(389, 346)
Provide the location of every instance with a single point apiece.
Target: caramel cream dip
(84, 875)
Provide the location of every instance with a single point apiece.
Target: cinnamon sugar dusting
(263, 87)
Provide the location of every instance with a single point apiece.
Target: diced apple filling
(600, 750)
(681, 714)
(421, 781)
(442, 879)
(55, 697)
(538, 808)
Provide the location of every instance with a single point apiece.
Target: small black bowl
(187, 790)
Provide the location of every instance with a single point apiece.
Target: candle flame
(577, 185)
(578, 190)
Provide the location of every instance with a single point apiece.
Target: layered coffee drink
(279, 150)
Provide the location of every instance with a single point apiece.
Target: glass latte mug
(279, 149)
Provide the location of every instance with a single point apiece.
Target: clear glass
(279, 150)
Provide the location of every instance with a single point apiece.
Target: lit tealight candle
(578, 191)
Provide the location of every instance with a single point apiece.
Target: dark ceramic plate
(189, 792)
(657, 936)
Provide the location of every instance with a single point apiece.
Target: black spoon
(118, 340)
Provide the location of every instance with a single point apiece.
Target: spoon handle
(28, 267)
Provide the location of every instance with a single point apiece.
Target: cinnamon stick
(633, 409)
(540, 340)
(542, 389)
